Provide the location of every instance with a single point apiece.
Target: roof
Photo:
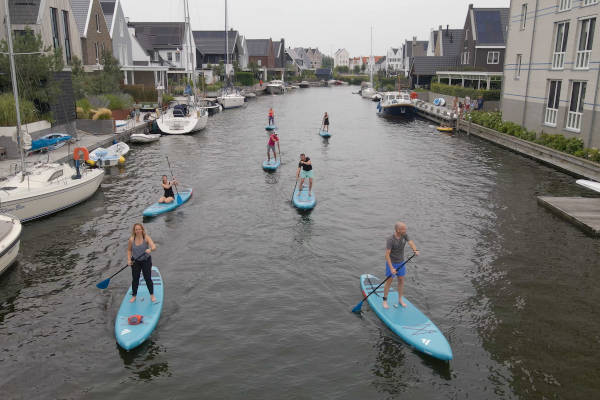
(408, 45)
(23, 12)
(213, 42)
(323, 72)
(452, 42)
(108, 8)
(423, 65)
(81, 9)
(258, 47)
(491, 25)
(159, 35)
(381, 60)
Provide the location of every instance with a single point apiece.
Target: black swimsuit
(169, 192)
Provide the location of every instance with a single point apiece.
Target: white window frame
(523, 16)
(586, 3)
(558, 56)
(178, 56)
(169, 56)
(497, 58)
(519, 62)
(582, 58)
(259, 62)
(574, 117)
(98, 24)
(97, 52)
(552, 102)
(565, 5)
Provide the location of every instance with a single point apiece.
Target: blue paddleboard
(407, 322)
(131, 336)
(324, 134)
(161, 208)
(271, 165)
(304, 202)
(270, 127)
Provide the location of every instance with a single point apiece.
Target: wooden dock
(581, 211)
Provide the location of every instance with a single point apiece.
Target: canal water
(258, 296)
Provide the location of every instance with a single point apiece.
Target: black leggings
(145, 267)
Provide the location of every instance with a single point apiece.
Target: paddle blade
(103, 284)
(179, 201)
(357, 308)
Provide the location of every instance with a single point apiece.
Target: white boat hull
(38, 202)
(10, 242)
(231, 101)
(368, 93)
(182, 125)
(275, 89)
(143, 138)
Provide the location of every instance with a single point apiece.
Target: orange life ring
(86, 154)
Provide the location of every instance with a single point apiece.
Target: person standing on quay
(394, 257)
(138, 258)
(326, 122)
(271, 117)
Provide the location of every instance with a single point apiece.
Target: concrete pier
(581, 211)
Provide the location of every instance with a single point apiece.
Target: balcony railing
(551, 115)
(583, 59)
(574, 121)
(558, 60)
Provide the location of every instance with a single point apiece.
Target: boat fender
(86, 153)
(135, 319)
(121, 160)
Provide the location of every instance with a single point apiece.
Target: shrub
(98, 101)
(102, 113)
(8, 115)
(140, 93)
(119, 101)
(245, 78)
(459, 91)
(167, 98)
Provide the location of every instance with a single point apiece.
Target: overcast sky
(326, 24)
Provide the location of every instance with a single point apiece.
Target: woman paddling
(138, 258)
(167, 185)
(326, 122)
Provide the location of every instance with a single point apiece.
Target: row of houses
(544, 55)
(149, 53)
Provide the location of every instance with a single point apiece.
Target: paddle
(294, 191)
(179, 201)
(104, 283)
(359, 305)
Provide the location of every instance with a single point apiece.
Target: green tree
(363, 67)
(356, 69)
(108, 79)
(327, 62)
(219, 70)
(253, 67)
(34, 71)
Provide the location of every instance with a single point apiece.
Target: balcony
(583, 59)
(551, 114)
(558, 60)
(574, 121)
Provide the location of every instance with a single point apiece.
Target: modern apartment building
(552, 68)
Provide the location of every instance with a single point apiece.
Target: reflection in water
(141, 361)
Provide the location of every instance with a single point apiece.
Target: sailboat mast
(371, 58)
(226, 44)
(186, 7)
(13, 77)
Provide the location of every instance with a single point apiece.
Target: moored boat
(182, 119)
(231, 99)
(304, 84)
(275, 87)
(144, 137)
(10, 239)
(396, 104)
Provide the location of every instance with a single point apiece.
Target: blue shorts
(399, 272)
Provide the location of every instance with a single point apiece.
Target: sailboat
(229, 98)
(47, 187)
(368, 92)
(189, 117)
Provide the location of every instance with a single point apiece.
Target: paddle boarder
(394, 257)
(138, 258)
(305, 171)
(271, 117)
(274, 138)
(167, 185)
(326, 122)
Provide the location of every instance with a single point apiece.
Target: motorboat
(144, 137)
(109, 157)
(47, 188)
(377, 97)
(304, 84)
(275, 87)
(182, 119)
(368, 92)
(10, 240)
(396, 104)
(231, 99)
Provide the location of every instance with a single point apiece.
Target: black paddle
(359, 305)
(294, 191)
(104, 283)
(179, 201)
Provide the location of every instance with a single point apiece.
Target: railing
(583, 59)
(558, 60)
(574, 121)
(551, 114)
(564, 5)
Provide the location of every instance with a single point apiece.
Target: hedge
(573, 146)
(245, 78)
(459, 91)
(353, 79)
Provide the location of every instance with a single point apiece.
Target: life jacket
(135, 319)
